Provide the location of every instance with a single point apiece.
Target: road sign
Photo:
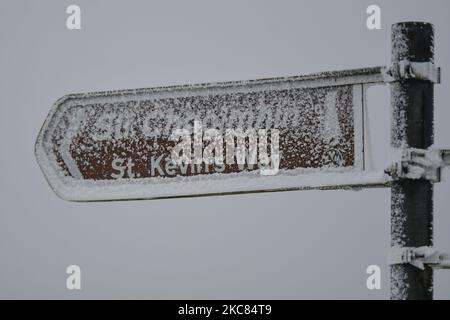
(274, 134)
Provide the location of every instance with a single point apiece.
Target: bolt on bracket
(445, 155)
(411, 163)
(405, 69)
(419, 257)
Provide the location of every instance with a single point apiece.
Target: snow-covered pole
(411, 127)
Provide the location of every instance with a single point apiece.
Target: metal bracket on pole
(445, 155)
(411, 163)
(419, 257)
(405, 69)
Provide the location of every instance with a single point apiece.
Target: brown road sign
(234, 137)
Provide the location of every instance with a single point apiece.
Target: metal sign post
(411, 127)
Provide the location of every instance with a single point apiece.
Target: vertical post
(412, 127)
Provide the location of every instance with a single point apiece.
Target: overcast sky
(305, 244)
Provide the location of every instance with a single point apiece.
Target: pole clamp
(411, 163)
(419, 257)
(407, 70)
(445, 155)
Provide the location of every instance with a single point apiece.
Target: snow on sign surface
(261, 135)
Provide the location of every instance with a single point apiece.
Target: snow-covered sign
(274, 134)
